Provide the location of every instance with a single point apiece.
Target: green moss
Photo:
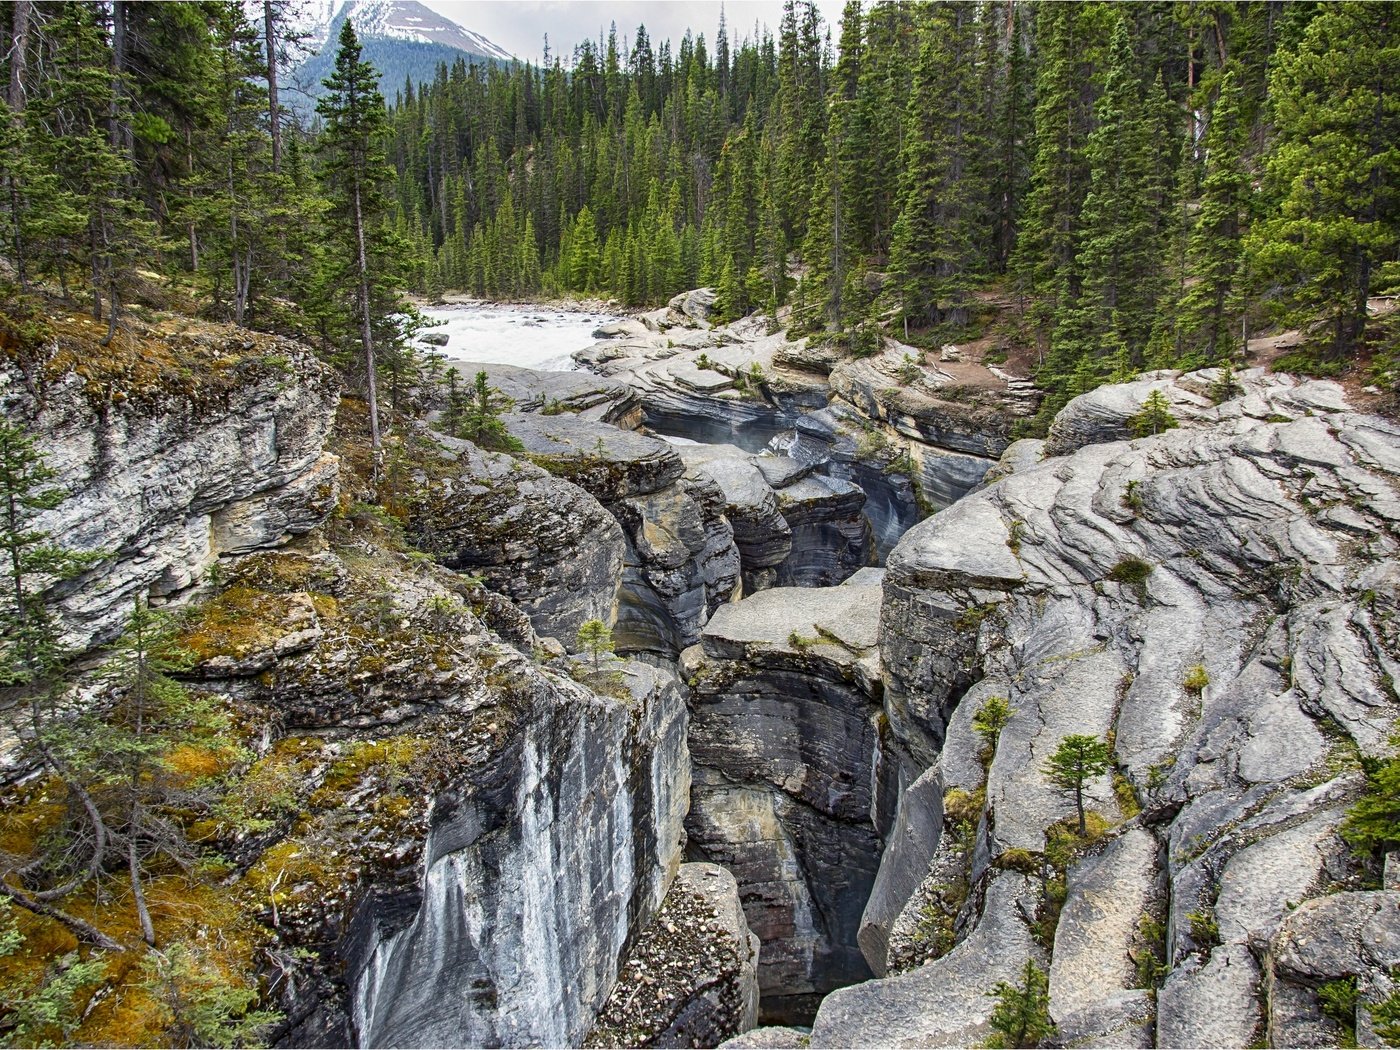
(1197, 678)
(1133, 571)
(238, 623)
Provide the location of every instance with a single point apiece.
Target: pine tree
(355, 173)
(32, 662)
(595, 639)
(1155, 416)
(1119, 253)
(935, 255)
(1021, 1017)
(480, 416)
(1334, 169)
(1212, 302)
(1075, 761)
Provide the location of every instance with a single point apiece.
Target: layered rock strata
(1217, 602)
(178, 444)
(679, 559)
(471, 842)
(784, 724)
(544, 543)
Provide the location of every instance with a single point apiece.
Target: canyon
(773, 805)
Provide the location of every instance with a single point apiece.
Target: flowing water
(523, 335)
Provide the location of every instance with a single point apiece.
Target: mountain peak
(399, 20)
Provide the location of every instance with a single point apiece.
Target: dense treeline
(1150, 181)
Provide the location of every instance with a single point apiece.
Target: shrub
(991, 718)
(1197, 678)
(1155, 417)
(1022, 1014)
(1130, 570)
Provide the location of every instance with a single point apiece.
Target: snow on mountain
(396, 20)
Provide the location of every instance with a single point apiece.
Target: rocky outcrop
(1217, 603)
(539, 870)
(463, 844)
(691, 978)
(582, 394)
(679, 560)
(793, 528)
(784, 727)
(178, 444)
(545, 544)
(1349, 941)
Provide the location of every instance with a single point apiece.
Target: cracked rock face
(679, 559)
(213, 445)
(784, 721)
(1219, 603)
(543, 543)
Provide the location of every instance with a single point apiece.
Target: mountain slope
(402, 38)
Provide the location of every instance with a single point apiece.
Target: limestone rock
(783, 727)
(1093, 978)
(515, 931)
(909, 850)
(543, 543)
(1344, 936)
(1209, 596)
(768, 1038)
(943, 1003)
(582, 394)
(177, 445)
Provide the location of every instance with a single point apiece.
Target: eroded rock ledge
(179, 443)
(1218, 602)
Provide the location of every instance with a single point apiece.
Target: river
(521, 334)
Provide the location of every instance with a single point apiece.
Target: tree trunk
(274, 111)
(19, 54)
(19, 49)
(138, 892)
(366, 336)
(122, 138)
(84, 931)
(1079, 805)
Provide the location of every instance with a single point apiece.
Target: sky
(519, 26)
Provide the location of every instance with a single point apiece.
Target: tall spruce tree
(935, 257)
(1335, 170)
(355, 175)
(1213, 300)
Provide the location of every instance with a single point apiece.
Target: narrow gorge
(777, 812)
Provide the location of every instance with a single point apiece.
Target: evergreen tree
(1075, 761)
(595, 639)
(1212, 302)
(480, 416)
(1334, 169)
(935, 255)
(1021, 1017)
(1119, 252)
(355, 174)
